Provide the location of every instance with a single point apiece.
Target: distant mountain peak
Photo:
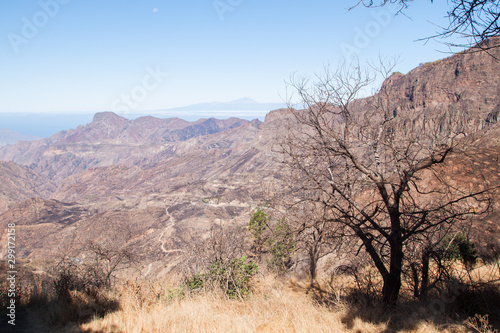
(109, 117)
(245, 100)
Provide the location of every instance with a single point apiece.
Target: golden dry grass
(274, 307)
(278, 311)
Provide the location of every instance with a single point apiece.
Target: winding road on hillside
(160, 239)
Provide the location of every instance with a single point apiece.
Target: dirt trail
(149, 270)
(160, 239)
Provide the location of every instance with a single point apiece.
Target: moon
(155, 10)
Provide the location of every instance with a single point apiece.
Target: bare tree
(224, 243)
(375, 165)
(422, 251)
(474, 20)
(104, 262)
(317, 235)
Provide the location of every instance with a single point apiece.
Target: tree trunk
(425, 273)
(390, 291)
(392, 280)
(312, 266)
(416, 280)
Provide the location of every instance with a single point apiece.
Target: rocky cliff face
(466, 82)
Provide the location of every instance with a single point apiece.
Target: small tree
(104, 262)
(441, 247)
(458, 246)
(315, 233)
(281, 244)
(257, 227)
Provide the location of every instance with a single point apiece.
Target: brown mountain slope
(233, 154)
(164, 200)
(19, 183)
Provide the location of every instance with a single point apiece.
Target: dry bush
(480, 324)
(218, 264)
(82, 291)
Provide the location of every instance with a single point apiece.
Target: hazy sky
(96, 55)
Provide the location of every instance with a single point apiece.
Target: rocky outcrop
(467, 81)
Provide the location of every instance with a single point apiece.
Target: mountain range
(43, 125)
(156, 185)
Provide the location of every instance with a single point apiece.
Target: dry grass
(278, 310)
(274, 307)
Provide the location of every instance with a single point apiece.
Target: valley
(124, 182)
(156, 189)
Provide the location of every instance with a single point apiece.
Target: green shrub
(231, 276)
(195, 282)
(281, 245)
(458, 246)
(257, 227)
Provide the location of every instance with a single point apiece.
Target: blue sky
(77, 56)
